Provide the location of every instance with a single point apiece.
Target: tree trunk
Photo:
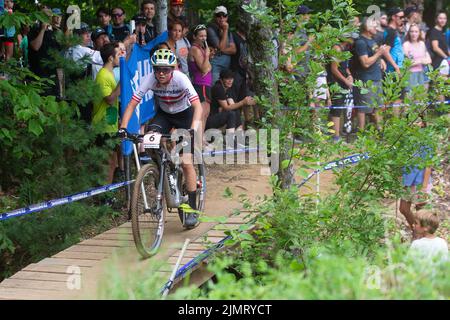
(161, 19)
(259, 38)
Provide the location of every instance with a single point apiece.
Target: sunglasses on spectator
(221, 15)
(164, 70)
(117, 14)
(200, 27)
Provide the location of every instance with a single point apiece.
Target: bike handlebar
(138, 138)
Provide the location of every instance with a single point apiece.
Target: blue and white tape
(196, 261)
(395, 105)
(65, 200)
(225, 152)
(353, 159)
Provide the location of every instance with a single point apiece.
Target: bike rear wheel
(147, 212)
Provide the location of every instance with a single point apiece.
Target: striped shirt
(175, 97)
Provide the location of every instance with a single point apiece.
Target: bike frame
(164, 158)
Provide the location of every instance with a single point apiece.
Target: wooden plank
(58, 269)
(208, 241)
(119, 231)
(81, 255)
(35, 284)
(188, 253)
(216, 233)
(28, 294)
(68, 262)
(43, 276)
(173, 260)
(126, 237)
(92, 249)
(106, 243)
(195, 246)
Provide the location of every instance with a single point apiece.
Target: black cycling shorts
(164, 122)
(204, 93)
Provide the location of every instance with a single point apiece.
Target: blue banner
(131, 74)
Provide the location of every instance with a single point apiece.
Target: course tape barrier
(94, 192)
(225, 152)
(395, 105)
(65, 200)
(353, 159)
(194, 262)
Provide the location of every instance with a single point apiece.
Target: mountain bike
(159, 187)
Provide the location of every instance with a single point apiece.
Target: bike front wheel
(147, 212)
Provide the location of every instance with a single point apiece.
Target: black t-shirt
(120, 33)
(343, 66)
(435, 34)
(218, 92)
(36, 58)
(366, 47)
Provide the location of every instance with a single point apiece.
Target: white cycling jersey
(177, 96)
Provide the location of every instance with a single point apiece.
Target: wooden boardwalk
(60, 276)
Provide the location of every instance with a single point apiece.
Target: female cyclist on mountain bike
(178, 107)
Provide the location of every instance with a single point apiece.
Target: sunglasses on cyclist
(164, 70)
(117, 14)
(221, 15)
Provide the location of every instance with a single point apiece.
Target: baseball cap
(221, 9)
(393, 11)
(84, 28)
(57, 12)
(139, 18)
(97, 33)
(303, 10)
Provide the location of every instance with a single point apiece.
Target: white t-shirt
(175, 97)
(430, 247)
(79, 52)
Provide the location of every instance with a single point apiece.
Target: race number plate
(152, 140)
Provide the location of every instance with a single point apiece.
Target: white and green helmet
(163, 58)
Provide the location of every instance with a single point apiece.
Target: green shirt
(24, 50)
(104, 114)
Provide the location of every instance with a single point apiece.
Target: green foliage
(47, 152)
(325, 275)
(119, 284)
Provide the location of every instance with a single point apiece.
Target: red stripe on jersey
(194, 99)
(136, 98)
